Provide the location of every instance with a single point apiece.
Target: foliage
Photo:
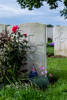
(64, 12)
(40, 82)
(21, 92)
(49, 40)
(53, 4)
(49, 25)
(37, 3)
(52, 79)
(13, 54)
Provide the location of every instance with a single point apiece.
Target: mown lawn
(58, 91)
(58, 66)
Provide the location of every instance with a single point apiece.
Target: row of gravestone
(37, 39)
(57, 34)
(49, 30)
(37, 36)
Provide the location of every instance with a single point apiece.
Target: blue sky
(11, 13)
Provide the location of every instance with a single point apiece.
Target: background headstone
(60, 40)
(49, 33)
(2, 28)
(9, 29)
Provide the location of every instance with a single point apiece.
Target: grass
(58, 66)
(21, 93)
(50, 50)
(57, 91)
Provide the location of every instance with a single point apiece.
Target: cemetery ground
(56, 91)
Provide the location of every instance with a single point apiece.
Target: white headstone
(37, 39)
(2, 28)
(9, 29)
(60, 40)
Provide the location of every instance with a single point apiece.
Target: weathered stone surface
(60, 40)
(37, 39)
(2, 28)
(9, 29)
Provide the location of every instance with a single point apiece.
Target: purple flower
(45, 71)
(51, 75)
(51, 44)
(42, 73)
(42, 68)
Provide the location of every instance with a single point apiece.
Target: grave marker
(37, 39)
(60, 40)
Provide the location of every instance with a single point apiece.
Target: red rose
(14, 28)
(25, 34)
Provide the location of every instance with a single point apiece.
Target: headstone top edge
(32, 24)
(60, 26)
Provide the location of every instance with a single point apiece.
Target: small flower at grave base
(15, 28)
(25, 34)
(42, 73)
(50, 75)
(45, 71)
(42, 68)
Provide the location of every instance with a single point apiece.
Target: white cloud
(11, 11)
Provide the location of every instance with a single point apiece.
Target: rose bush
(13, 50)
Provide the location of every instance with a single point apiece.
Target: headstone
(9, 29)
(37, 40)
(49, 33)
(2, 28)
(60, 40)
